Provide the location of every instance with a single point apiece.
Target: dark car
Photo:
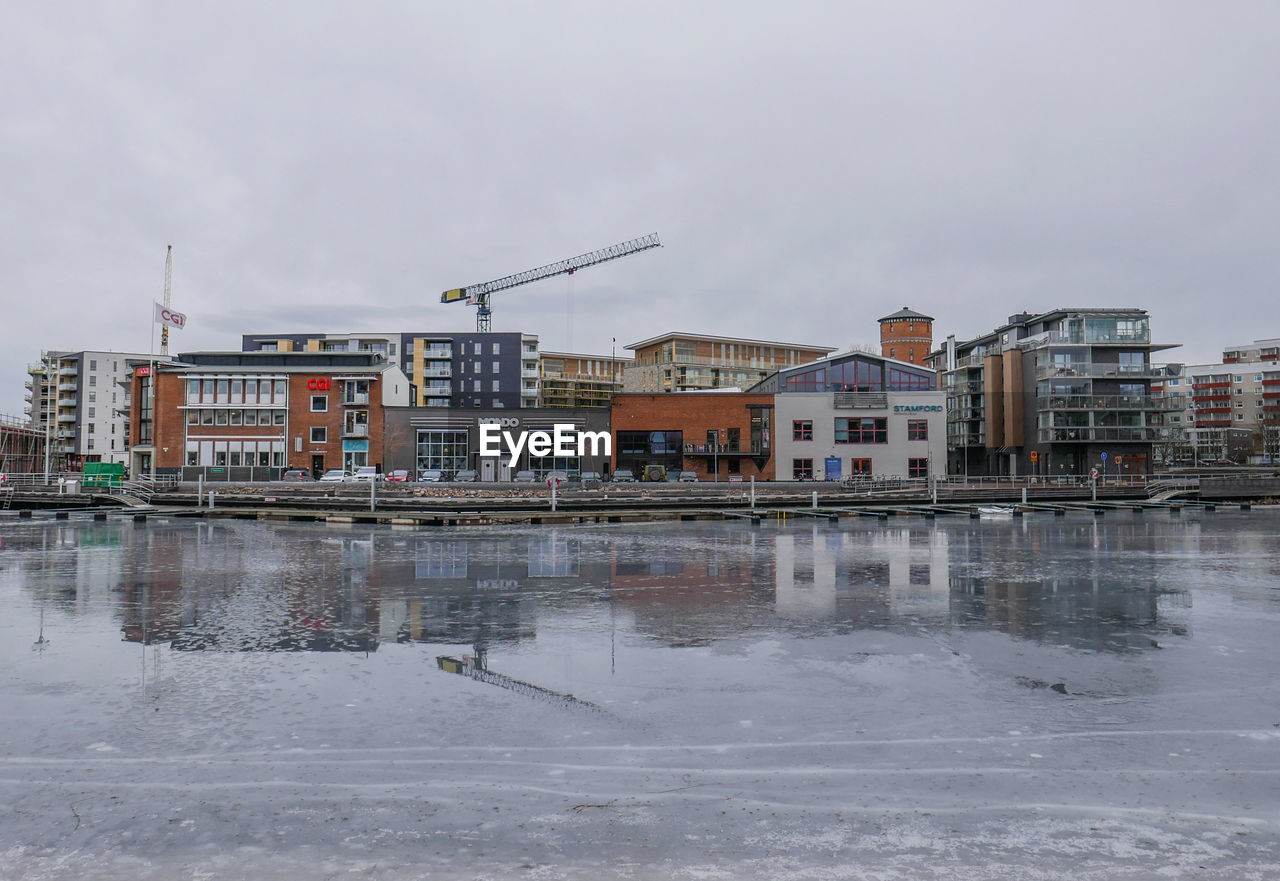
(466, 475)
(431, 475)
(623, 475)
(297, 474)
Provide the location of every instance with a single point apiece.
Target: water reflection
(232, 586)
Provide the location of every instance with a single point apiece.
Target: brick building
(249, 415)
(718, 435)
(676, 362)
(906, 336)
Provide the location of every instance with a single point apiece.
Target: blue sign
(1104, 456)
(833, 468)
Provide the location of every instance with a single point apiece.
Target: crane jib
(477, 292)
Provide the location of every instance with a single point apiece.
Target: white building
(82, 400)
(857, 414)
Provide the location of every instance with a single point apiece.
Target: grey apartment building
(1055, 394)
(471, 370)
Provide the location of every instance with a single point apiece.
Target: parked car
(524, 477)
(366, 472)
(466, 475)
(654, 473)
(297, 474)
(623, 475)
(335, 475)
(431, 475)
(398, 476)
(560, 477)
(688, 477)
(590, 479)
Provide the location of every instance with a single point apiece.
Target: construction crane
(478, 294)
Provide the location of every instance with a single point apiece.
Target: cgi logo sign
(318, 384)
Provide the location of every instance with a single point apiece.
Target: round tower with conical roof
(906, 336)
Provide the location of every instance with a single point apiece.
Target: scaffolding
(21, 446)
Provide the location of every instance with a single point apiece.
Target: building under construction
(21, 446)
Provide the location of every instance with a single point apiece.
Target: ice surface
(1079, 697)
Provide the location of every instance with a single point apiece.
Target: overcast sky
(809, 168)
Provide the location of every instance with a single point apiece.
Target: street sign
(1093, 473)
(1035, 455)
(1104, 455)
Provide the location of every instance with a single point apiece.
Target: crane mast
(478, 294)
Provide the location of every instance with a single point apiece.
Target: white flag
(169, 317)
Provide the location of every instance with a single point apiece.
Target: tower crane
(478, 294)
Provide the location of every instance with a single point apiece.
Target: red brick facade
(694, 414)
(290, 445)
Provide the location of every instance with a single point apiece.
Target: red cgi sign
(318, 384)
(143, 371)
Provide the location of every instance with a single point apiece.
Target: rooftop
(679, 335)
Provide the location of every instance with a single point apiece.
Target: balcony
(437, 390)
(1094, 434)
(360, 429)
(355, 399)
(445, 371)
(1088, 370)
(71, 370)
(67, 433)
(713, 450)
(436, 352)
(66, 417)
(859, 401)
(1108, 402)
(529, 373)
(529, 392)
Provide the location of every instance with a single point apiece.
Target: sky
(808, 166)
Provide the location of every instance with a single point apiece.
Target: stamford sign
(563, 441)
(917, 408)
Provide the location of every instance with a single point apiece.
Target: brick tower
(906, 336)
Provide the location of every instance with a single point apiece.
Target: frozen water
(1040, 698)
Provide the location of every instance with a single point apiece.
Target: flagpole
(151, 378)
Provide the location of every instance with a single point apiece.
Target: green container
(103, 473)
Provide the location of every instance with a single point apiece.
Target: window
(497, 349)
(319, 403)
(802, 469)
(235, 416)
(219, 417)
(802, 430)
(91, 412)
(223, 390)
(93, 365)
(497, 367)
(917, 468)
(93, 380)
(867, 430)
(917, 429)
(93, 396)
(477, 351)
(861, 467)
(319, 434)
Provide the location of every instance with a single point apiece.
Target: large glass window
(867, 430)
(917, 429)
(445, 450)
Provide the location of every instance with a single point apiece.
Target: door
(317, 466)
(486, 470)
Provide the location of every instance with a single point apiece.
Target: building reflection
(888, 575)
(1097, 588)
(220, 587)
(686, 593)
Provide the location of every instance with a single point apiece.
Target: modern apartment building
(82, 400)
(1227, 412)
(570, 380)
(1055, 394)
(473, 370)
(1257, 351)
(676, 362)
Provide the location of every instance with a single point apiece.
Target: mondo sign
(318, 384)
